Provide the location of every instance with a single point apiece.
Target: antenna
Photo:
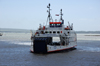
(61, 15)
(48, 11)
(72, 26)
(69, 24)
(49, 15)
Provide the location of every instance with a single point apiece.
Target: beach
(15, 51)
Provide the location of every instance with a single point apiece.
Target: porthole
(58, 31)
(46, 31)
(50, 32)
(54, 31)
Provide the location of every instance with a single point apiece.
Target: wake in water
(22, 43)
(88, 49)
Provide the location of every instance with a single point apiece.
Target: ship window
(42, 32)
(58, 25)
(58, 31)
(55, 25)
(54, 31)
(46, 31)
(50, 32)
(51, 25)
(68, 33)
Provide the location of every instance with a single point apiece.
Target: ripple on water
(88, 49)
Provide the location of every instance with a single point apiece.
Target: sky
(28, 14)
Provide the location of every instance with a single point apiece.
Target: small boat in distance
(1, 34)
(43, 40)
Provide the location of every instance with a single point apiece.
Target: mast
(49, 11)
(49, 15)
(61, 19)
(61, 15)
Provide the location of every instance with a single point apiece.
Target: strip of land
(91, 35)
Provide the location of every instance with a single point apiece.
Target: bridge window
(55, 24)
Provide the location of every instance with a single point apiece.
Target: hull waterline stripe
(31, 50)
(57, 50)
(61, 49)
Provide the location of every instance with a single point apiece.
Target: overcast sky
(28, 14)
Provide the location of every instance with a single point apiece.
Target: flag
(57, 14)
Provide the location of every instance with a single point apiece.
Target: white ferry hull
(56, 48)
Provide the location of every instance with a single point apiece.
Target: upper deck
(54, 28)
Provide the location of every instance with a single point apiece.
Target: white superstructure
(42, 40)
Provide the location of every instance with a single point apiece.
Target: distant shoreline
(91, 35)
(13, 30)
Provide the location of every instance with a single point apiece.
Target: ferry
(53, 37)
